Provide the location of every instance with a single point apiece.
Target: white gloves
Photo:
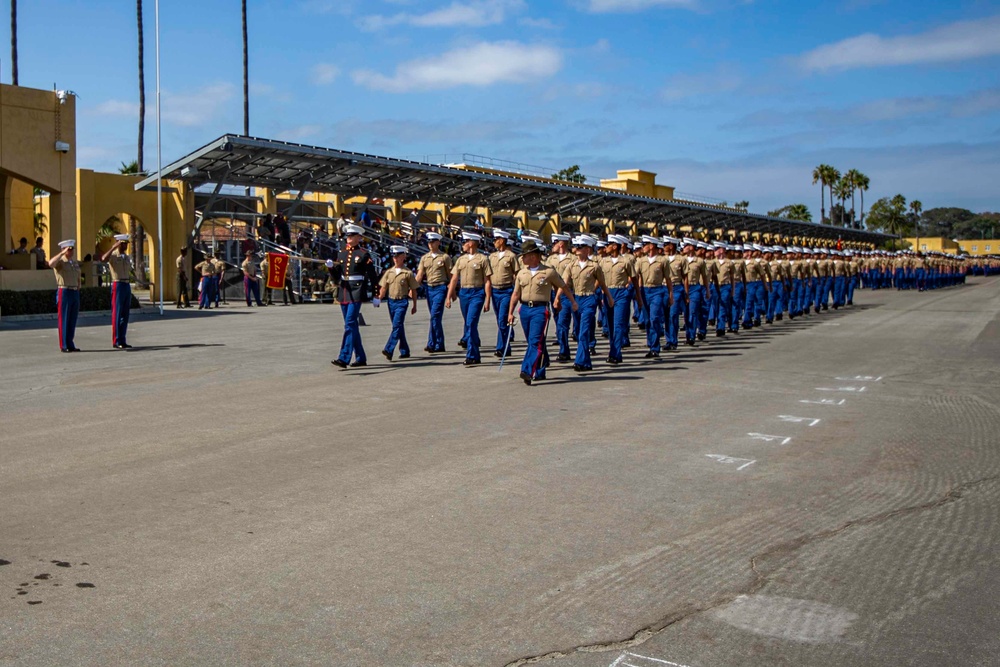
(376, 302)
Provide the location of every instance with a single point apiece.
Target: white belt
(355, 278)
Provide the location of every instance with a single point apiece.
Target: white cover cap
(433, 236)
(121, 237)
(68, 243)
(397, 249)
(559, 237)
(469, 236)
(353, 229)
(500, 234)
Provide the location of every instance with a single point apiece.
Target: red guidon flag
(277, 267)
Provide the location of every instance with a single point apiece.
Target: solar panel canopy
(264, 163)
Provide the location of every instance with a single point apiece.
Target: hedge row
(36, 302)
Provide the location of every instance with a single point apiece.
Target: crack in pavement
(782, 552)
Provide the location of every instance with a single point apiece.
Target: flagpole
(159, 166)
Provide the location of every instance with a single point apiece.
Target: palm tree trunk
(13, 41)
(246, 78)
(862, 207)
(142, 86)
(822, 202)
(854, 217)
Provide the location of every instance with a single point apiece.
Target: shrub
(37, 302)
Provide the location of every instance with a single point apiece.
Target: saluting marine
(120, 265)
(67, 271)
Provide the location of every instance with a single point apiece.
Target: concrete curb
(85, 314)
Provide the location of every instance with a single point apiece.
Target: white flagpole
(159, 166)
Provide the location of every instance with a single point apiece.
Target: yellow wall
(980, 246)
(933, 244)
(31, 122)
(638, 182)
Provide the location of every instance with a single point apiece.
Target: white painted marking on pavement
(780, 439)
(824, 401)
(645, 661)
(799, 420)
(722, 458)
(851, 389)
(860, 378)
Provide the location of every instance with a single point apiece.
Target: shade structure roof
(253, 162)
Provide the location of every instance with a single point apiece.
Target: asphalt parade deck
(820, 492)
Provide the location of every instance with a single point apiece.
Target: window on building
(986, 249)
(975, 248)
(923, 246)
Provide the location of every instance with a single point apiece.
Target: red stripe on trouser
(114, 313)
(59, 317)
(541, 345)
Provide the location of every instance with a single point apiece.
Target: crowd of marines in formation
(585, 284)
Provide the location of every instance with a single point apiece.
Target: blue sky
(732, 99)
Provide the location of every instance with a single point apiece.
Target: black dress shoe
(357, 364)
(720, 333)
(734, 331)
(498, 353)
(769, 321)
(387, 355)
(64, 349)
(689, 342)
(835, 306)
(578, 368)
(613, 361)
(826, 306)
(428, 349)
(756, 323)
(471, 362)
(404, 356)
(711, 323)
(701, 336)
(563, 358)
(75, 349)
(779, 317)
(339, 364)
(649, 355)
(526, 377)
(462, 344)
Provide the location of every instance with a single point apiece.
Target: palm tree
(862, 182)
(916, 208)
(832, 176)
(40, 226)
(843, 189)
(109, 228)
(852, 176)
(819, 176)
(142, 86)
(13, 42)
(799, 212)
(246, 78)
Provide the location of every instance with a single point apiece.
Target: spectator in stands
(265, 228)
(283, 230)
(22, 248)
(365, 218)
(341, 221)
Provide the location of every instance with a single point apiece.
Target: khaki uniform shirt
(206, 268)
(740, 270)
(180, 263)
(755, 270)
(39, 254)
(777, 270)
(786, 269)
(67, 273)
(436, 268)
(712, 268)
(839, 267)
(505, 265)
(538, 287)
(398, 285)
(583, 279)
(250, 267)
(119, 265)
(677, 266)
(220, 266)
(726, 271)
(473, 270)
(697, 271)
(653, 273)
(618, 270)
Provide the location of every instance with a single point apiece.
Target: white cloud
(614, 6)
(473, 14)
(324, 74)
(482, 64)
(964, 40)
(538, 24)
(198, 107)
